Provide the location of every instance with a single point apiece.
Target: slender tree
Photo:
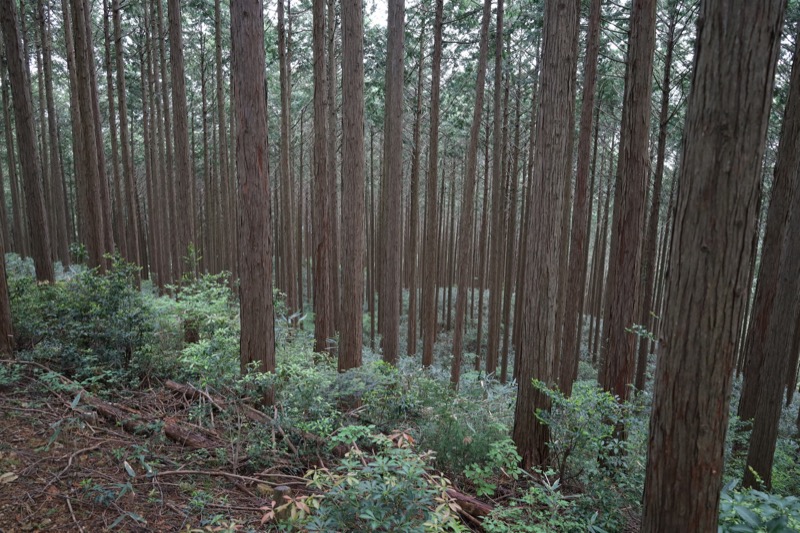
(428, 313)
(353, 201)
(580, 212)
(619, 345)
(252, 166)
(390, 321)
(726, 120)
(184, 209)
(26, 137)
(785, 184)
(552, 163)
(323, 235)
(468, 198)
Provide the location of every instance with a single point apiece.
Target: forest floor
(66, 467)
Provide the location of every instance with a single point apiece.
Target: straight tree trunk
(118, 206)
(26, 137)
(105, 194)
(483, 247)
(286, 187)
(726, 120)
(323, 235)
(390, 321)
(580, 211)
(431, 244)
(184, 209)
(649, 244)
(411, 257)
(619, 345)
(19, 231)
(496, 234)
(132, 219)
(6, 329)
(552, 163)
(252, 165)
(786, 184)
(777, 358)
(60, 237)
(353, 201)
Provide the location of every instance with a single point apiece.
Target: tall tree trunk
(510, 236)
(649, 244)
(552, 163)
(60, 238)
(184, 208)
(26, 137)
(390, 321)
(105, 194)
(619, 345)
(19, 230)
(571, 334)
(732, 81)
(786, 184)
(333, 186)
(323, 235)
(777, 358)
(483, 247)
(495, 236)
(431, 244)
(252, 165)
(352, 184)
(413, 225)
(286, 187)
(118, 206)
(132, 219)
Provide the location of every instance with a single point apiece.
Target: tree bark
(184, 208)
(323, 236)
(495, 236)
(390, 321)
(580, 213)
(26, 138)
(552, 163)
(252, 165)
(726, 121)
(429, 328)
(786, 184)
(353, 201)
(618, 343)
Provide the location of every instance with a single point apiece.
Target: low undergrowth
(377, 448)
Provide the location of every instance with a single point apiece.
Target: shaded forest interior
(437, 266)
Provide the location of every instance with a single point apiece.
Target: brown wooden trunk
(552, 163)
(252, 165)
(322, 234)
(428, 313)
(726, 120)
(353, 201)
(619, 344)
(26, 138)
(393, 141)
(468, 198)
(581, 212)
(786, 183)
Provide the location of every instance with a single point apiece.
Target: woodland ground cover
(127, 410)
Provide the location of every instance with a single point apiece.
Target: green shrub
(391, 490)
(85, 325)
(754, 511)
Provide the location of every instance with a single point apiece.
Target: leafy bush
(86, 324)
(542, 508)
(391, 490)
(754, 511)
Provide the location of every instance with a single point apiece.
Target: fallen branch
(471, 505)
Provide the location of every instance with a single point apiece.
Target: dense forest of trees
(534, 185)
